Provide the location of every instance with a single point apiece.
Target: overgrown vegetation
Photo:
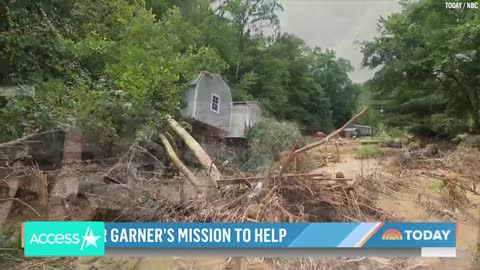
(369, 151)
(428, 79)
(116, 67)
(268, 140)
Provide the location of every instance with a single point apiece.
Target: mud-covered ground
(406, 190)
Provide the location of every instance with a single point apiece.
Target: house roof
(197, 79)
(200, 76)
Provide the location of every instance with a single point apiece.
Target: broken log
(325, 140)
(307, 176)
(23, 139)
(238, 181)
(197, 150)
(179, 164)
(273, 176)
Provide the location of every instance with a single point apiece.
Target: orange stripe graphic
(370, 235)
(21, 230)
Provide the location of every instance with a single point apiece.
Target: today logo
(427, 234)
(418, 235)
(63, 238)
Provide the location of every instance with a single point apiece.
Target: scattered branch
(290, 157)
(197, 150)
(179, 164)
(24, 139)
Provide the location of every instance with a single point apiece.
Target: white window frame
(218, 104)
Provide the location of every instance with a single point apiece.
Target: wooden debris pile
(287, 195)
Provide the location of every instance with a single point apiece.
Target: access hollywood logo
(43, 239)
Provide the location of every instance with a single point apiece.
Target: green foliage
(108, 66)
(428, 58)
(369, 151)
(296, 83)
(445, 124)
(116, 67)
(268, 139)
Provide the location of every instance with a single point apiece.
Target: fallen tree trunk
(316, 144)
(306, 177)
(179, 164)
(197, 150)
(23, 139)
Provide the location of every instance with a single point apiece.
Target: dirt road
(405, 206)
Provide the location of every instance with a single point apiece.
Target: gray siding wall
(238, 120)
(254, 113)
(208, 85)
(244, 116)
(189, 100)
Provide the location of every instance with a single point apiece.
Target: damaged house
(214, 117)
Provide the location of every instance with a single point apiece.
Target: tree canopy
(428, 60)
(117, 66)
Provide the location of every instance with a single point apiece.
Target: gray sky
(337, 24)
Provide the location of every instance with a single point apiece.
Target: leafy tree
(299, 84)
(429, 65)
(115, 67)
(97, 68)
(332, 74)
(250, 17)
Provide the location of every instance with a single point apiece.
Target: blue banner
(280, 235)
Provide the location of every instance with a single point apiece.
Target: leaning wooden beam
(253, 178)
(229, 182)
(331, 135)
(307, 176)
(316, 144)
(197, 150)
(23, 139)
(179, 164)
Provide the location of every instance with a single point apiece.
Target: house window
(215, 106)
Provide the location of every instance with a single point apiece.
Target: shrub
(268, 139)
(369, 151)
(447, 126)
